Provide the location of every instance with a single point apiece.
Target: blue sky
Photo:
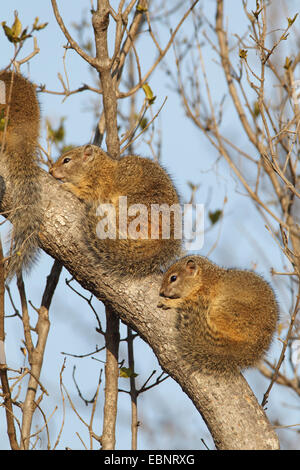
(242, 242)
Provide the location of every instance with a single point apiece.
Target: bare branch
(104, 64)
(92, 61)
(11, 431)
(112, 338)
(36, 354)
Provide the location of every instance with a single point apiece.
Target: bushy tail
(25, 217)
(18, 141)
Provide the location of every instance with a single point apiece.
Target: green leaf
(292, 20)
(15, 33)
(2, 118)
(257, 12)
(56, 135)
(149, 93)
(38, 27)
(2, 124)
(127, 372)
(256, 110)
(284, 37)
(215, 216)
(8, 32)
(243, 53)
(141, 8)
(17, 26)
(288, 63)
(24, 35)
(143, 123)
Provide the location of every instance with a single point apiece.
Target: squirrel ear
(191, 267)
(88, 153)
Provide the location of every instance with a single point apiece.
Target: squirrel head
(71, 164)
(178, 282)
(75, 164)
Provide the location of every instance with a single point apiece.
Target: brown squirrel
(95, 178)
(226, 317)
(19, 132)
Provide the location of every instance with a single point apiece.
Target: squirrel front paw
(166, 303)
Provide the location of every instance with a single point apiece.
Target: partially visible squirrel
(19, 132)
(226, 317)
(95, 178)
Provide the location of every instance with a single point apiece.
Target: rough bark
(228, 406)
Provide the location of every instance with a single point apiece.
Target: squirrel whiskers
(22, 115)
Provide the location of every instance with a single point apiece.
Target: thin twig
(8, 404)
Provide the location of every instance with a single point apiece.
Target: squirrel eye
(173, 278)
(66, 160)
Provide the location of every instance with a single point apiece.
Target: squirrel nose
(51, 171)
(161, 293)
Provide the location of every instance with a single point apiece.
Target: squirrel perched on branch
(98, 180)
(226, 317)
(19, 132)
(90, 174)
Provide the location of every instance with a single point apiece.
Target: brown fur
(226, 317)
(19, 142)
(95, 178)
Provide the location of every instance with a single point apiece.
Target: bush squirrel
(226, 317)
(19, 132)
(95, 178)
